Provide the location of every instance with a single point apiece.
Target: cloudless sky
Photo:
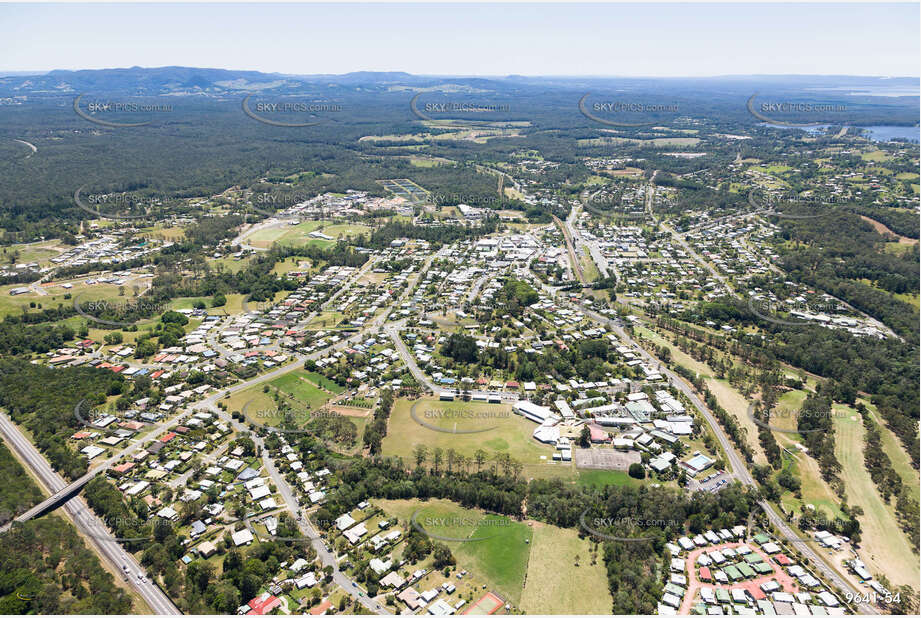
(469, 39)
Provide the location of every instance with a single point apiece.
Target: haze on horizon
(653, 40)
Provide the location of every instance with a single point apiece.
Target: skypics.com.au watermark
(113, 114)
(801, 522)
(467, 414)
(138, 307)
(464, 113)
(280, 201)
(290, 114)
(455, 415)
(624, 113)
(605, 527)
(810, 207)
(773, 112)
(105, 528)
(423, 525)
(830, 414)
(446, 199)
(88, 522)
(124, 201)
(270, 418)
(768, 310)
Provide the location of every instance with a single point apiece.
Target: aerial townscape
(305, 342)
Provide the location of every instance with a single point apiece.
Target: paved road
(94, 470)
(88, 523)
(739, 469)
(576, 265)
(705, 263)
(327, 557)
(393, 331)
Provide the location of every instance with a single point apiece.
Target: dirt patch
(350, 411)
(885, 231)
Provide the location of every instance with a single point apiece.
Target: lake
(879, 133)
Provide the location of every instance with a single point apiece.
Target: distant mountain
(221, 83)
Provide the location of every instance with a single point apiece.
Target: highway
(88, 523)
(60, 492)
(739, 468)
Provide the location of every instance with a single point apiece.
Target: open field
(501, 553)
(545, 592)
(268, 235)
(58, 296)
(298, 385)
(737, 406)
(678, 356)
(39, 252)
(600, 478)
(901, 462)
(507, 432)
(589, 268)
(885, 548)
(658, 142)
(295, 384)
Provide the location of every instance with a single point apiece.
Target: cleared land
(885, 548)
(501, 553)
(554, 550)
(507, 432)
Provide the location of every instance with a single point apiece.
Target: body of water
(880, 133)
(886, 133)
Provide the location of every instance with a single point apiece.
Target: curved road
(740, 470)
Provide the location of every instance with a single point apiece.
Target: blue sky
(470, 39)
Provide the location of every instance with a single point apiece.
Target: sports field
(298, 385)
(299, 235)
(505, 431)
(488, 604)
(268, 235)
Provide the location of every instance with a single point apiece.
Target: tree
(479, 458)
(585, 437)
(420, 453)
(637, 471)
(460, 347)
(443, 556)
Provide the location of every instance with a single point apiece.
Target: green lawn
(885, 548)
(296, 384)
(600, 478)
(57, 296)
(501, 553)
(321, 380)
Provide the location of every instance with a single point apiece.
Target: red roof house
(263, 604)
